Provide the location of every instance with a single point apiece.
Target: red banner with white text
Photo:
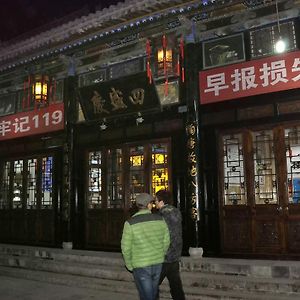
(267, 75)
(33, 122)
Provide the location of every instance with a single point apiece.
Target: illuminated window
(160, 176)
(4, 185)
(31, 194)
(47, 187)
(145, 167)
(95, 180)
(114, 178)
(17, 183)
(137, 170)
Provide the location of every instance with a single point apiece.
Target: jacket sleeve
(166, 238)
(126, 245)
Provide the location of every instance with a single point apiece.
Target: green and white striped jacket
(145, 240)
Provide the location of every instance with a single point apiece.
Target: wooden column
(68, 186)
(193, 188)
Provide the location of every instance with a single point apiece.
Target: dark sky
(20, 16)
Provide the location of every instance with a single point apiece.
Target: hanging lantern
(40, 85)
(165, 61)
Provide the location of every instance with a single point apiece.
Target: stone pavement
(24, 289)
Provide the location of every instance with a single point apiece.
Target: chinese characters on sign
(119, 96)
(32, 122)
(116, 99)
(192, 169)
(262, 76)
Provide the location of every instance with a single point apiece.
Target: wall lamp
(139, 119)
(280, 45)
(103, 125)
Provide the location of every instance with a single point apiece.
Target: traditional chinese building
(146, 95)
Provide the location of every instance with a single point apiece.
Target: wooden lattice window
(95, 180)
(264, 168)
(234, 174)
(115, 178)
(4, 185)
(292, 143)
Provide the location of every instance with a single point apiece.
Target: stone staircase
(203, 278)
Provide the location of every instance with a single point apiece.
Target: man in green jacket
(145, 241)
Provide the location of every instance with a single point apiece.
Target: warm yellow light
(159, 179)
(160, 55)
(136, 160)
(40, 88)
(159, 159)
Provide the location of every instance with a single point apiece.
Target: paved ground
(24, 289)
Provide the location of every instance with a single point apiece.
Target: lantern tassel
(178, 66)
(28, 91)
(181, 46)
(148, 67)
(166, 87)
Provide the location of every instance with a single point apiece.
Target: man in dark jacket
(170, 269)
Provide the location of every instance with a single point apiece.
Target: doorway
(260, 191)
(116, 174)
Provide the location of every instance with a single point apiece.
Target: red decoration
(148, 67)
(164, 45)
(181, 48)
(26, 93)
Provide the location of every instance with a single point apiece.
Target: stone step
(128, 288)
(255, 277)
(92, 257)
(190, 279)
(244, 267)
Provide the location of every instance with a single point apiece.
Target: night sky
(20, 16)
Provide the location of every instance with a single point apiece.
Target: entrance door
(28, 200)
(260, 189)
(116, 175)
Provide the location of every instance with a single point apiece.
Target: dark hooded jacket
(172, 216)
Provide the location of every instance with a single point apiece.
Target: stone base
(67, 245)
(196, 252)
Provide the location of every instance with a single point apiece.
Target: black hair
(165, 196)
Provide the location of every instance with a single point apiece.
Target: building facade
(148, 95)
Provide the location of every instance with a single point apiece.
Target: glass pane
(264, 168)
(95, 180)
(292, 143)
(56, 91)
(160, 174)
(47, 174)
(234, 177)
(17, 183)
(114, 178)
(137, 171)
(31, 193)
(4, 185)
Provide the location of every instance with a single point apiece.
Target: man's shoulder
(167, 209)
(144, 218)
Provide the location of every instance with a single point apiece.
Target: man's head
(143, 200)
(163, 197)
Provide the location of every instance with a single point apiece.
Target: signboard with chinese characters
(193, 187)
(33, 122)
(272, 74)
(120, 96)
